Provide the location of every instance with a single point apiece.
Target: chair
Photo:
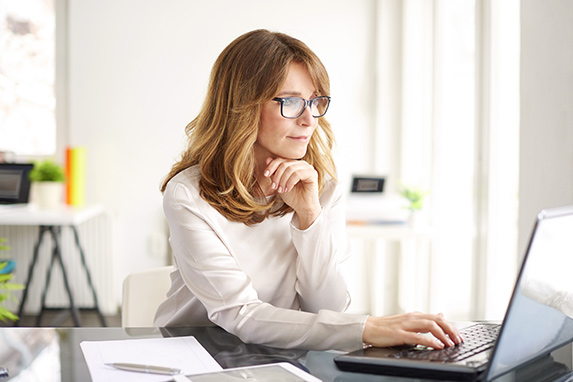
(143, 291)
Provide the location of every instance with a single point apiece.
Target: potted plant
(6, 286)
(48, 178)
(415, 197)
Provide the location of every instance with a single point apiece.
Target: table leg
(88, 276)
(42, 231)
(46, 286)
(58, 254)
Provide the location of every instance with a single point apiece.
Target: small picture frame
(15, 182)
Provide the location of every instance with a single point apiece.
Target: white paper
(185, 353)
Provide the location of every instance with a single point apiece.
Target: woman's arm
(321, 249)
(215, 277)
(318, 233)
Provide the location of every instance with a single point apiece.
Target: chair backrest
(143, 292)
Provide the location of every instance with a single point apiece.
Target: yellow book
(77, 176)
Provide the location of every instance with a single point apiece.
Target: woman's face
(284, 137)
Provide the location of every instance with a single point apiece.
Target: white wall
(546, 136)
(137, 74)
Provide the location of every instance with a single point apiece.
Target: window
(457, 116)
(27, 77)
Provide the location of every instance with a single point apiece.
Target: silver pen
(150, 369)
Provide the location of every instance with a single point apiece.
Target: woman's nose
(306, 117)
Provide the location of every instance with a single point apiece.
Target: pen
(150, 369)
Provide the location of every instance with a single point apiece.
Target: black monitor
(14, 182)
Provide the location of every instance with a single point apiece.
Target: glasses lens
(319, 106)
(292, 106)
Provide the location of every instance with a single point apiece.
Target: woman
(256, 216)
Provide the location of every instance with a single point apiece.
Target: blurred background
(468, 100)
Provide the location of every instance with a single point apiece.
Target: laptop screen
(540, 316)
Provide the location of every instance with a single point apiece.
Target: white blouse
(270, 283)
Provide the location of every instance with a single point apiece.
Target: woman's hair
(249, 72)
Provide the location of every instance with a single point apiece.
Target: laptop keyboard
(477, 338)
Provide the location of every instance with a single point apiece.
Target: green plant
(47, 171)
(7, 288)
(414, 195)
(3, 246)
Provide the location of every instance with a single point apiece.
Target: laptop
(538, 320)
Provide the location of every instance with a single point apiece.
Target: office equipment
(368, 184)
(149, 369)
(14, 182)
(376, 208)
(183, 353)
(50, 223)
(24, 350)
(281, 371)
(143, 291)
(538, 319)
(66, 365)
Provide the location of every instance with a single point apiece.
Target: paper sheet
(185, 353)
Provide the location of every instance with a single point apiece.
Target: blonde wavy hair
(249, 72)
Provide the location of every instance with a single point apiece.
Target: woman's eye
(289, 102)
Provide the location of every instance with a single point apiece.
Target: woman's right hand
(411, 329)
(296, 181)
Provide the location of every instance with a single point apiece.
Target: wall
(546, 136)
(137, 74)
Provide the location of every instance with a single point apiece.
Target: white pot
(49, 195)
(414, 219)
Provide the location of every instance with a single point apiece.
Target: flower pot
(414, 219)
(49, 195)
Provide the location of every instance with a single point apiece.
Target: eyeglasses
(293, 107)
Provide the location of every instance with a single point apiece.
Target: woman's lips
(301, 138)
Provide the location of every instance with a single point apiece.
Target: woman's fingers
(412, 329)
(285, 174)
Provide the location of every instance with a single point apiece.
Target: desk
(51, 222)
(55, 354)
(413, 277)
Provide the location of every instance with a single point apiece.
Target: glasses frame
(307, 103)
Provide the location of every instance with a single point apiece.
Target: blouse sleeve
(321, 249)
(213, 276)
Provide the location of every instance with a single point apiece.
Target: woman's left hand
(296, 181)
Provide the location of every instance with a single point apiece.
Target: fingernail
(274, 186)
(280, 190)
(267, 173)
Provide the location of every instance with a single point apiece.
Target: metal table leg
(42, 231)
(88, 276)
(58, 254)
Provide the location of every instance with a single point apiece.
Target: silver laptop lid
(539, 318)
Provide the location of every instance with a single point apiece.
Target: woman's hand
(411, 329)
(297, 184)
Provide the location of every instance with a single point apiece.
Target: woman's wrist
(366, 331)
(308, 216)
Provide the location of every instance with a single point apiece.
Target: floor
(63, 318)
